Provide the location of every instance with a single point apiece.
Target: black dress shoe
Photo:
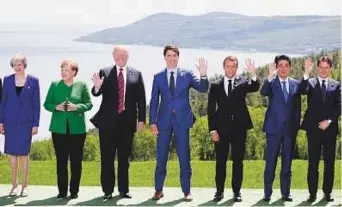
(311, 199)
(107, 196)
(218, 196)
(328, 198)
(73, 196)
(125, 195)
(61, 196)
(287, 198)
(267, 198)
(237, 197)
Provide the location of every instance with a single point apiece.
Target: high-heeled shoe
(14, 191)
(24, 192)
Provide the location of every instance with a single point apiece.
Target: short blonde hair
(19, 57)
(73, 65)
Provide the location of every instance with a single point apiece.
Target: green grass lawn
(142, 174)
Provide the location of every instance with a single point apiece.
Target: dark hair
(171, 47)
(231, 58)
(282, 57)
(324, 59)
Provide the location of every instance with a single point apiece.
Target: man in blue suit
(173, 114)
(281, 124)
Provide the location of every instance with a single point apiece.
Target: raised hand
(308, 65)
(202, 66)
(250, 67)
(272, 71)
(97, 81)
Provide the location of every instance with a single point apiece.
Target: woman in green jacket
(68, 99)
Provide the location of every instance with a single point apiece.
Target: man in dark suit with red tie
(123, 102)
(321, 123)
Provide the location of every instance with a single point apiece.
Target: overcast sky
(122, 12)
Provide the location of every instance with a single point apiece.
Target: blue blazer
(23, 108)
(161, 109)
(280, 113)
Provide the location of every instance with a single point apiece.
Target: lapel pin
(28, 87)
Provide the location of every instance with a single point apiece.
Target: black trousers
(236, 137)
(68, 146)
(117, 139)
(316, 140)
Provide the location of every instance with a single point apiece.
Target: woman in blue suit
(19, 118)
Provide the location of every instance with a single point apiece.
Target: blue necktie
(286, 94)
(172, 83)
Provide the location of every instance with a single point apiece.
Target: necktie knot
(121, 69)
(323, 81)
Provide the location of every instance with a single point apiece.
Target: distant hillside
(219, 30)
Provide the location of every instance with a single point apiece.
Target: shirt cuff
(305, 76)
(270, 80)
(213, 131)
(329, 121)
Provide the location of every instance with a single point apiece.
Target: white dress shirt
(169, 70)
(286, 84)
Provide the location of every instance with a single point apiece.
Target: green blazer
(78, 94)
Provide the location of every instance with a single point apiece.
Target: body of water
(45, 48)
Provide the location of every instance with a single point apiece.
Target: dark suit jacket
(135, 100)
(219, 106)
(318, 110)
(281, 113)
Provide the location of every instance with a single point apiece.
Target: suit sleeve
(86, 104)
(49, 104)
(3, 101)
(201, 85)
(252, 86)
(154, 103)
(266, 89)
(0, 89)
(304, 87)
(212, 102)
(336, 111)
(36, 104)
(98, 93)
(141, 100)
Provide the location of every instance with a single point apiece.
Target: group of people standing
(123, 112)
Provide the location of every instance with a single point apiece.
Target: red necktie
(121, 86)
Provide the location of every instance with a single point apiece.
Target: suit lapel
(222, 88)
(178, 80)
(129, 74)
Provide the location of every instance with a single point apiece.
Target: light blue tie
(286, 94)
